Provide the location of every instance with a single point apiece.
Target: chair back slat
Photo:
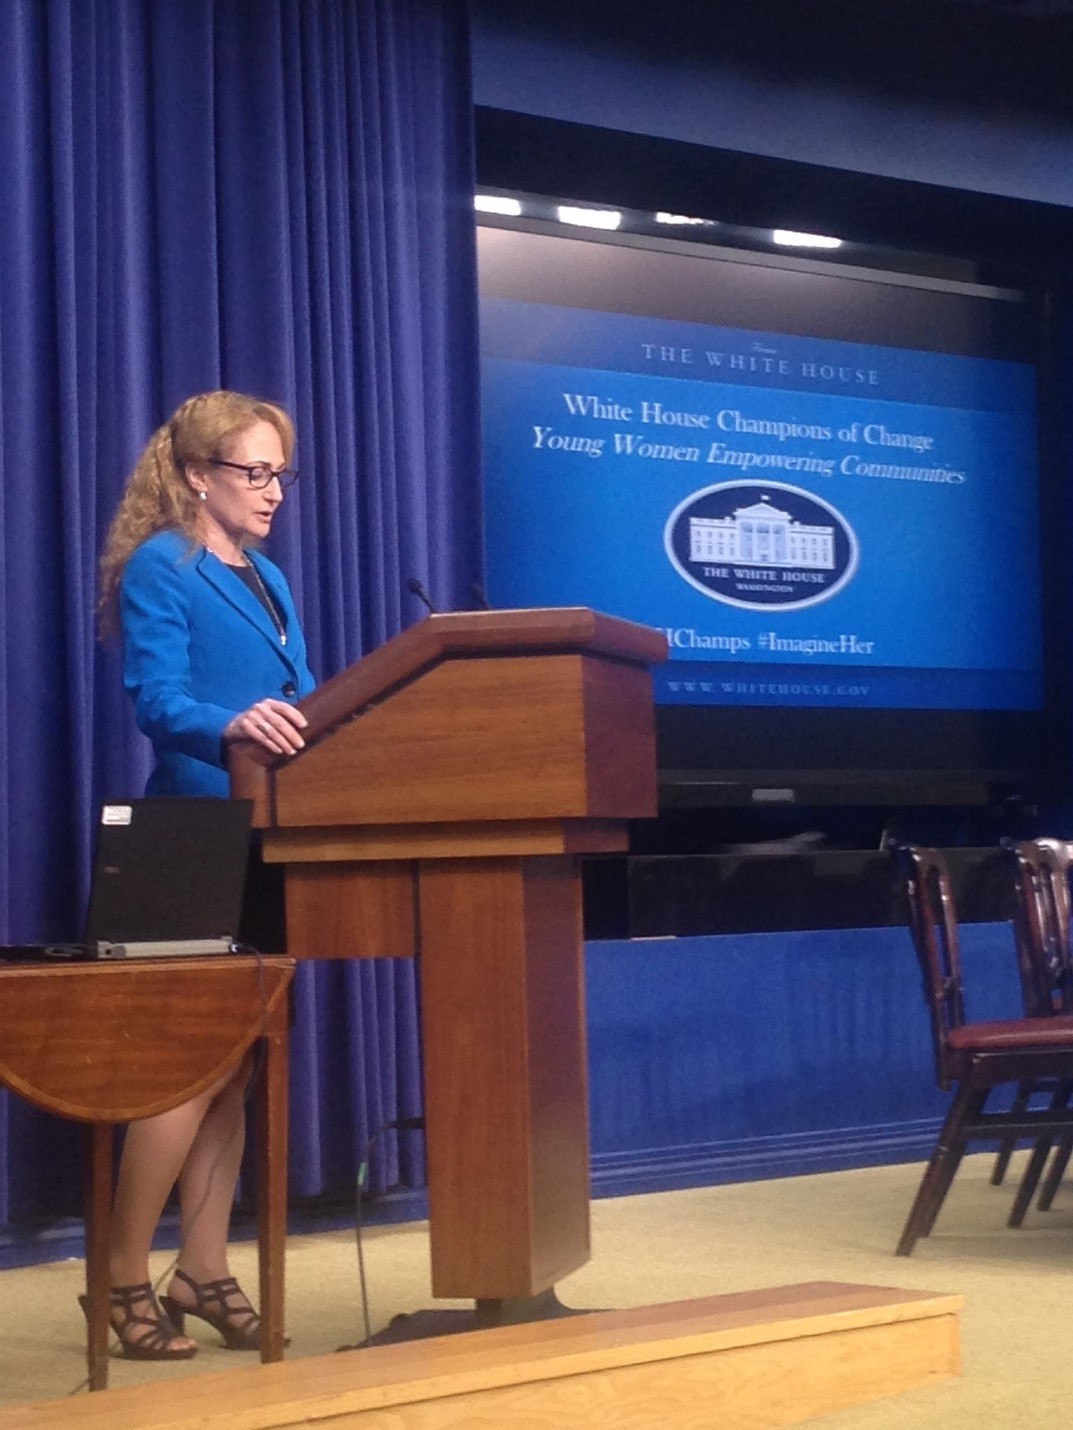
(1042, 924)
(933, 926)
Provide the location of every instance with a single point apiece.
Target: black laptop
(168, 880)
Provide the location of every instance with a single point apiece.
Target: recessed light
(589, 218)
(683, 220)
(790, 239)
(497, 204)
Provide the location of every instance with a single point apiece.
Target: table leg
(272, 1191)
(98, 1222)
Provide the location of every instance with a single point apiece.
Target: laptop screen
(169, 869)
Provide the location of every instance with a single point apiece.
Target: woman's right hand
(273, 724)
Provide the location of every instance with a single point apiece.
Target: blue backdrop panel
(725, 1058)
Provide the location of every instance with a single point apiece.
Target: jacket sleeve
(154, 607)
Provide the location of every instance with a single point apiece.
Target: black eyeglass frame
(286, 478)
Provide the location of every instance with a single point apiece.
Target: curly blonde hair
(158, 496)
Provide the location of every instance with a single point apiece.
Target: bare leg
(198, 1144)
(207, 1193)
(153, 1154)
(208, 1180)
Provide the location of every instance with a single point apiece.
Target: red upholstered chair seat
(1023, 1034)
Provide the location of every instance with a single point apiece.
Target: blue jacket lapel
(238, 595)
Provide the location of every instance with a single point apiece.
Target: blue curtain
(269, 195)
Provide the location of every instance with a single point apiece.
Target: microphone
(479, 594)
(414, 585)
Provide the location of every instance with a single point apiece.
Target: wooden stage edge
(754, 1359)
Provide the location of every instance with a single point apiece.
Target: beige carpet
(1018, 1322)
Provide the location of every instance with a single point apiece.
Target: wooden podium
(450, 781)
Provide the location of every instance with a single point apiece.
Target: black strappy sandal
(223, 1305)
(158, 1343)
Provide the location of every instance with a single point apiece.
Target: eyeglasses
(260, 474)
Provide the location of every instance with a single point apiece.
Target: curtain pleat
(271, 195)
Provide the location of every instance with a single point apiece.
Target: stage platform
(747, 1361)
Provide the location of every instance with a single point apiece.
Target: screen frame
(885, 756)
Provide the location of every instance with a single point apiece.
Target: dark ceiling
(1014, 56)
(1026, 9)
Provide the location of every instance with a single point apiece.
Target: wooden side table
(106, 1043)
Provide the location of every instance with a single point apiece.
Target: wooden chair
(971, 1058)
(1042, 928)
(1042, 924)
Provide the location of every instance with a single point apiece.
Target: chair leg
(1041, 1150)
(967, 1105)
(1056, 1173)
(1005, 1152)
(1038, 1161)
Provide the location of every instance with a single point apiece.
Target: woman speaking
(212, 653)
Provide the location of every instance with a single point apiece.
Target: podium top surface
(473, 716)
(477, 633)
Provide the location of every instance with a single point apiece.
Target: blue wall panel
(725, 1058)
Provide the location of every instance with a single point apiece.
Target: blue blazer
(199, 648)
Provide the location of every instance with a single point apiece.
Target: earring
(202, 496)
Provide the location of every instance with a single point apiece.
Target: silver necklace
(269, 604)
(266, 599)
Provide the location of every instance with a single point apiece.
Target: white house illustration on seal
(760, 534)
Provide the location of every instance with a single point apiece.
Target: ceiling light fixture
(790, 239)
(589, 218)
(683, 219)
(497, 204)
